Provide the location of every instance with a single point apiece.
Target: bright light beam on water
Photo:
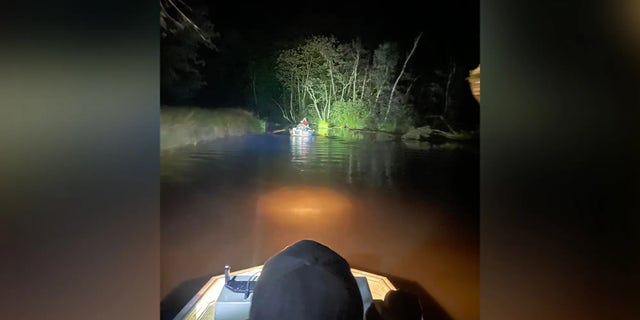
(305, 206)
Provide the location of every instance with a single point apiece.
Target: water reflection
(339, 161)
(300, 148)
(372, 166)
(447, 146)
(384, 205)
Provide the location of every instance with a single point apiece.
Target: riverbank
(181, 126)
(420, 134)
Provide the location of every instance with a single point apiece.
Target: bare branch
(284, 114)
(182, 21)
(415, 44)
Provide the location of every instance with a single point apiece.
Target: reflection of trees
(337, 161)
(371, 167)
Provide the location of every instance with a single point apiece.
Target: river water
(408, 210)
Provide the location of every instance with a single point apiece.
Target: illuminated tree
(309, 74)
(293, 71)
(344, 83)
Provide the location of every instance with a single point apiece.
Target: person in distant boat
(305, 123)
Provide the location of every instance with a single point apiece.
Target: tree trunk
(411, 85)
(446, 92)
(314, 100)
(415, 44)
(330, 64)
(291, 106)
(253, 86)
(364, 82)
(355, 76)
(327, 103)
(284, 114)
(386, 71)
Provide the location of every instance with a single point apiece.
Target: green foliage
(399, 120)
(351, 114)
(343, 83)
(181, 126)
(308, 74)
(346, 134)
(323, 124)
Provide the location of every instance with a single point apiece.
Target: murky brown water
(406, 210)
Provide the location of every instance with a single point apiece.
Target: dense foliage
(344, 84)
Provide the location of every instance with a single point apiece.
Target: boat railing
(240, 286)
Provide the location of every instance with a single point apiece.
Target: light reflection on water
(393, 207)
(371, 166)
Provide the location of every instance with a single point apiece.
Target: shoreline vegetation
(434, 132)
(188, 126)
(183, 126)
(426, 137)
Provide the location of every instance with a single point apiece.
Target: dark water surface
(407, 210)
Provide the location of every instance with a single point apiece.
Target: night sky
(250, 29)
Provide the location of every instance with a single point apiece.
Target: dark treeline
(242, 69)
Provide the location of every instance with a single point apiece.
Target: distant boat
(301, 131)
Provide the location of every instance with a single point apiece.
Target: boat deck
(204, 304)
